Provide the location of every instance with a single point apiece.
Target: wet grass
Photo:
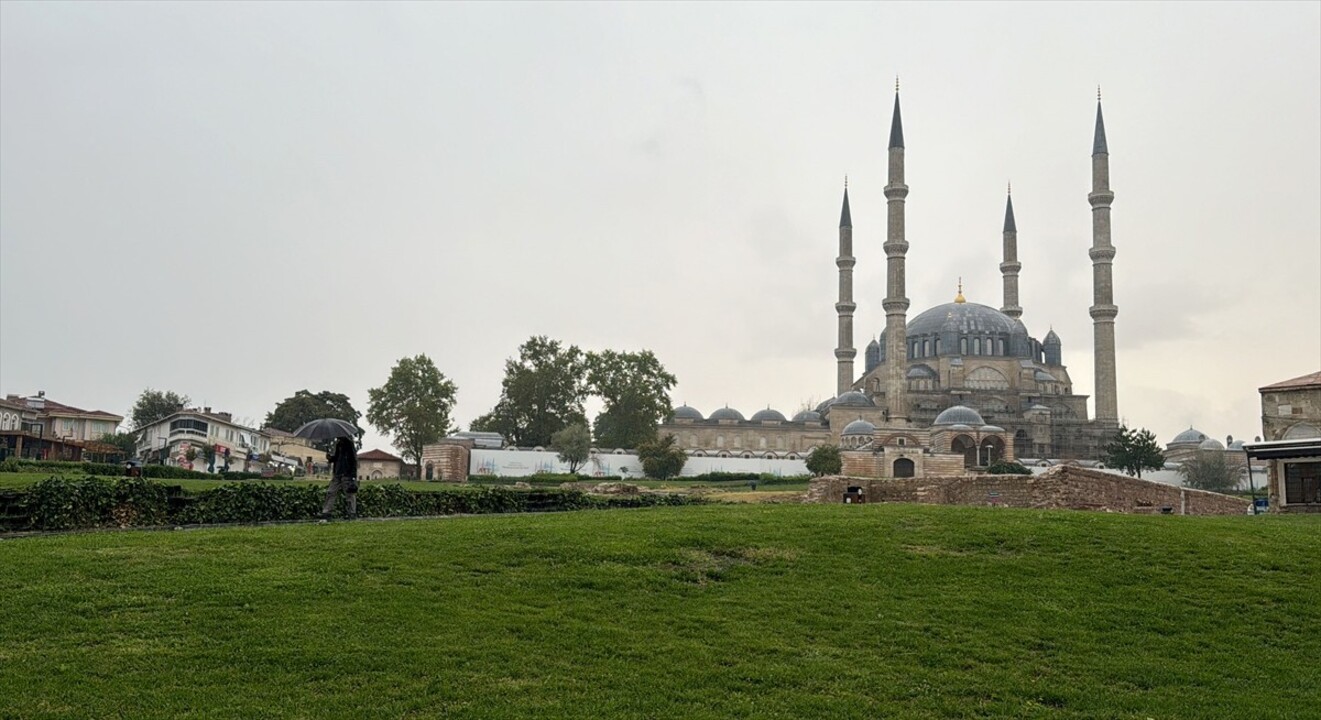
(751, 611)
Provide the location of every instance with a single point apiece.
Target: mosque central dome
(962, 318)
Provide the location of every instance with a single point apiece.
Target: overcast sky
(236, 201)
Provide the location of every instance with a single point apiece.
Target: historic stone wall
(448, 460)
(1063, 487)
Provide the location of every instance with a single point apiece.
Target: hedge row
(112, 469)
(160, 472)
(63, 504)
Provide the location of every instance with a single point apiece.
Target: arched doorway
(431, 471)
(966, 446)
(904, 468)
(992, 451)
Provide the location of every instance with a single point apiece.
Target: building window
(937, 346)
(1302, 483)
(720, 441)
(1000, 344)
(926, 348)
(963, 346)
(761, 443)
(976, 346)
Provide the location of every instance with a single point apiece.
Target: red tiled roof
(58, 408)
(1298, 383)
(378, 455)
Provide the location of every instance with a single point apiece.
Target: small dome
(824, 404)
(992, 428)
(1043, 376)
(1189, 436)
(1210, 444)
(961, 427)
(920, 372)
(727, 413)
(1236, 445)
(959, 415)
(873, 344)
(853, 398)
(768, 415)
(808, 416)
(858, 427)
(1051, 339)
(684, 412)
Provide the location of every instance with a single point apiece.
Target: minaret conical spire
(896, 123)
(1098, 140)
(1010, 225)
(845, 219)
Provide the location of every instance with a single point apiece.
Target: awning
(1284, 449)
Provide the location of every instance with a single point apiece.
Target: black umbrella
(327, 429)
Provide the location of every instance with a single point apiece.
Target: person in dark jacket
(343, 460)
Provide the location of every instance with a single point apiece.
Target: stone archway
(904, 468)
(967, 447)
(991, 451)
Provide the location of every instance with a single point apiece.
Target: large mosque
(957, 386)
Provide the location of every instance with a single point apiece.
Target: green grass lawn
(751, 611)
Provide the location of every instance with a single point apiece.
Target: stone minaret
(1010, 267)
(896, 304)
(1103, 308)
(845, 352)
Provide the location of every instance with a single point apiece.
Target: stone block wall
(1062, 487)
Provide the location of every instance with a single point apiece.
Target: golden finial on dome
(959, 298)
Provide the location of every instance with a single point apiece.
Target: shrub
(58, 503)
(661, 459)
(1005, 467)
(825, 460)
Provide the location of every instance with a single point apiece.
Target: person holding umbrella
(343, 460)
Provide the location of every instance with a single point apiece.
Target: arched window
(904, 468)
(1000, 345)
(720, 441)
(963, 346)
(1301, 431)
(761, 443)
(926, 348)
(937, 346)
(976, 346)
(986, 378)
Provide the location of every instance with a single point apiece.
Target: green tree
(660, 458)
(635, 390)
(1133, 450)
(413, 406)
(825, 460)
(542, 393)
(1211, 470)
(303, 406)
(125, 442)
(153, 405)
(574, 444)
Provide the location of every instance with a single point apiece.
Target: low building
(39, 428)
(198, 439)
(1291, 426)
(378, 465)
